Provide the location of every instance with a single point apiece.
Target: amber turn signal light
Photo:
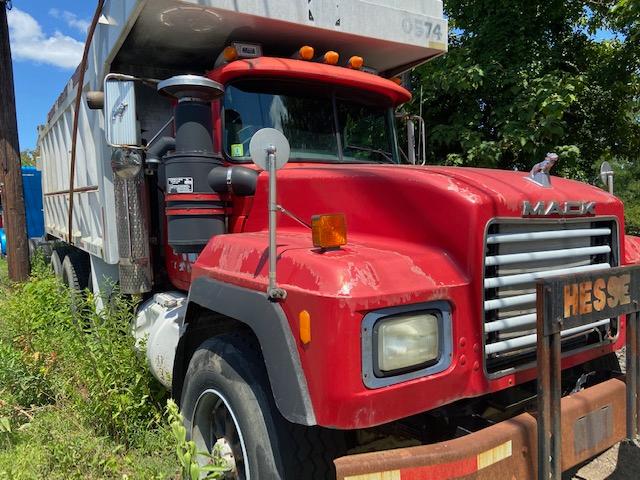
(329, 231)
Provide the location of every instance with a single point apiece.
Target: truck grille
(517, 254)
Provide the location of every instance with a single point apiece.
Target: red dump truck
(352, 312)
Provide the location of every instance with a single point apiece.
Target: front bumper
(592, 421)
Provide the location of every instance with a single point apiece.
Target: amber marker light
(329, 231)
(305, 327)
(396, 80)
(230, 54)
(306, 53)
(331, 58)
(356, 63)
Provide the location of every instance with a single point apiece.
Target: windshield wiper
(386, 155)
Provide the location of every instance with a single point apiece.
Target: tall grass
(76, 400)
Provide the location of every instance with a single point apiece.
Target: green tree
(28, 158)
(525, 77)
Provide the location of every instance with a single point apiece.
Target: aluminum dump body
(162, 38)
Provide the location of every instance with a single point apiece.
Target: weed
(194, 464)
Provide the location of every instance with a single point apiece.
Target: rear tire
(226, 385)
(74, 272)
(57, 257)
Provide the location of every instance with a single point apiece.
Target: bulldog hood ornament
(540, 173)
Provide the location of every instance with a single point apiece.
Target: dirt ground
(621, 462)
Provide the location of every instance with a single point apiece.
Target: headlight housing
(408, 341)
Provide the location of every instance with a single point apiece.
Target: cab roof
(311, 71)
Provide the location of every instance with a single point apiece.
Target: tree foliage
(29, 158)
(525, 77)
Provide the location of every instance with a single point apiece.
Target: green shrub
(76, 400)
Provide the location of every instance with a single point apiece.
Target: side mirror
(120, 117)
(411, 141)
(270, 151)
(606, 175)
(416, 147)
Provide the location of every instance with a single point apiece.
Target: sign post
(573, 301)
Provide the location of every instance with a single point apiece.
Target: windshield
(322, 124)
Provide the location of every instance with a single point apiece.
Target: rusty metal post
(632, 375)
(544, 390)
(637, 355)
(549, 349)
(555, 405)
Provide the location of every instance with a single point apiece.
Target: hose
(76, 116)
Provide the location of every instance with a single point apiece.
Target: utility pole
(10, 171)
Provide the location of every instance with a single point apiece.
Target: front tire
(227, 401)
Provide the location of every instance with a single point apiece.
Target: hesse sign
(575, 300)
(585, 297)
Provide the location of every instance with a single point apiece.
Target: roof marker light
(306, 53)
(230, 54)
(355, 62)
(331, 58)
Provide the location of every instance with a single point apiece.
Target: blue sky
(46, 42)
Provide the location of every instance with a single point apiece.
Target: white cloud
(29, 42)
(71, 19)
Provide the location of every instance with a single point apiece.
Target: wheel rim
(215, 430)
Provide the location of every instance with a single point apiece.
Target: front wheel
(228, 409)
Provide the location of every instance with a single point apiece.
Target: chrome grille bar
(532, 277)
(547, 235)
(550, 255)
(530, 340)
(528, 320)
(509, 302)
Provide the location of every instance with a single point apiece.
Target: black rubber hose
(240, 181)
(160, 148)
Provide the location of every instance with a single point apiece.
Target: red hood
(443, 207)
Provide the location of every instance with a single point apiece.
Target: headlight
(407, 341)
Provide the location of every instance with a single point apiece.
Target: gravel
(621, 462)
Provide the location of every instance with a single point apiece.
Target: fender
(631, 249)
(270, 325)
